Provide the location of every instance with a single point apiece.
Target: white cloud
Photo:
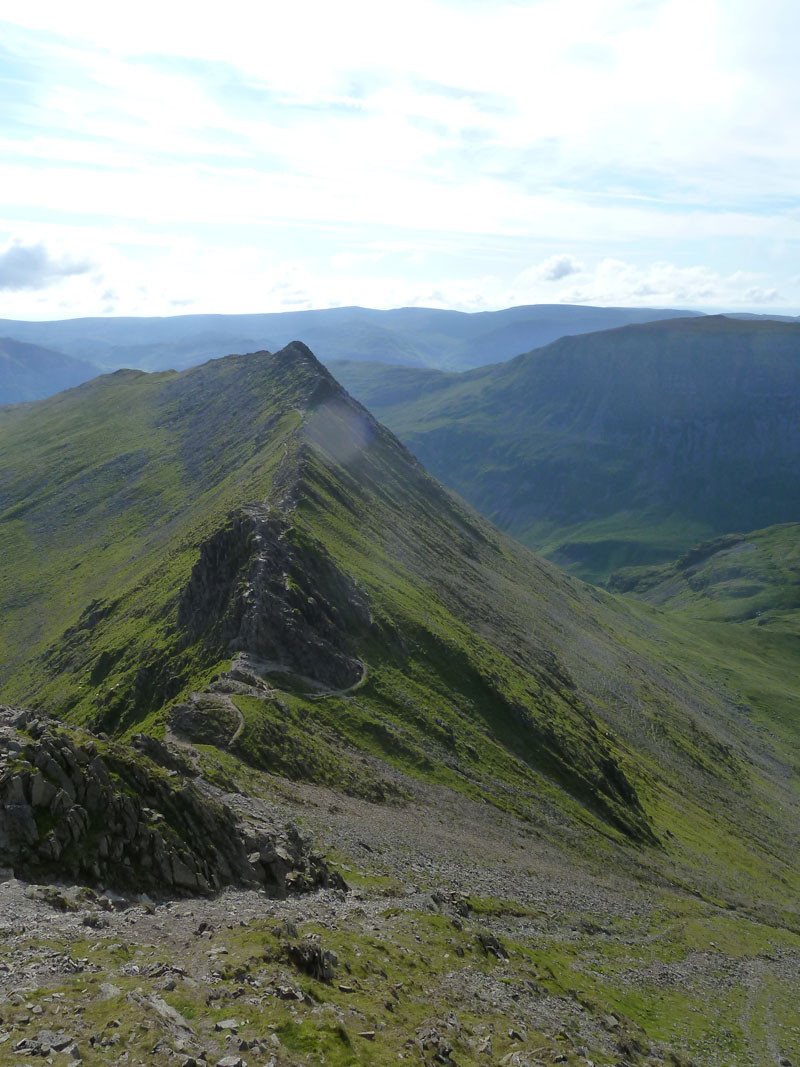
(137, 272)
(614, 282)
(759, 297)
(350, 260)
(672, 88)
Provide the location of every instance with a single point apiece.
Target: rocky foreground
(463, 936)
(76, 806)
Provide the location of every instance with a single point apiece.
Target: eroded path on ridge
(264, 668)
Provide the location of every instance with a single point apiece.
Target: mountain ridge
(28, 371)
(328, 465)
(341, 429)
(544, 798)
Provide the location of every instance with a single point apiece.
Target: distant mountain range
(416, 337)
(615, 448)
(602, 450)
(28, 372)
(424, 337)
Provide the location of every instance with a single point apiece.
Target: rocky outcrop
(74, 806)
(263, 588)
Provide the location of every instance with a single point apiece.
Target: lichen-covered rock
(132, 818)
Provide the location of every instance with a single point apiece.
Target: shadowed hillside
(614, 448)
(28, 372)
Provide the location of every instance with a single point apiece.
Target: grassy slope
(110, 491)
(735, 602)
(735, 578)
(687, 743)
(100, 507)
(616, 448)
(487, 669)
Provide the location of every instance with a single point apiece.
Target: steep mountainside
(614, 448)
(238, 569)
(157, 535)
(425, 337)
(28, 372)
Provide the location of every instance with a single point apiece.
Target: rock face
(278, 596)
(73, 806)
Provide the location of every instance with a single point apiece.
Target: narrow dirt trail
(340, 692)
(261, 668)
(237, 733)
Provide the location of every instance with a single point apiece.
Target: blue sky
(166, 158)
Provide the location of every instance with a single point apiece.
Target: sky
(171, 158)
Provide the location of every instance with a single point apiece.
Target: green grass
(114, 496)
(752, 577)
(286, 735)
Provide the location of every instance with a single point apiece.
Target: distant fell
(29, 372)
(424, 337)
(615, 448)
